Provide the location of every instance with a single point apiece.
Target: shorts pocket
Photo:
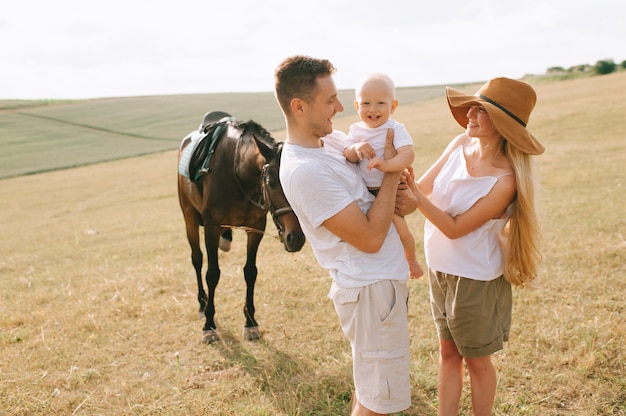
(342, 295)
(383, 376)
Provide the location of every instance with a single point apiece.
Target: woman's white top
(477, 255)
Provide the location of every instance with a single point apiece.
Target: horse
(232, 182)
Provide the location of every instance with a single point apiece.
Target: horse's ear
(251, 158)
(265, 142)
(261, 158)
(266, 150)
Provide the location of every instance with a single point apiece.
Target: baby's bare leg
(415, 271)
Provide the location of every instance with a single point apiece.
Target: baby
(375, 101)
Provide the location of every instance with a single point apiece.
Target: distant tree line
(602, 67)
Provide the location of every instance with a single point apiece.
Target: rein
(249, 229)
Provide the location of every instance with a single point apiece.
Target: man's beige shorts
(374, 319)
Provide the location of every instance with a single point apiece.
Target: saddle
(196, 157)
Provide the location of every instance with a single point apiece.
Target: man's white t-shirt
(319, 183)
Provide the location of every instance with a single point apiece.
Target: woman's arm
(493, 205)
(415, 195)
(406, 199)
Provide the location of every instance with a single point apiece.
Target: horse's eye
(272, 176)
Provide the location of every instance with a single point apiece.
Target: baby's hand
(377, 163)
(364, 150)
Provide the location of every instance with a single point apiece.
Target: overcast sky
(85, 49)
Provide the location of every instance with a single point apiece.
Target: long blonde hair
(521, 254)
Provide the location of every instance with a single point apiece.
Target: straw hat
(508, 103)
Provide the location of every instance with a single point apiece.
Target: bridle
(274, 210)
(265, 202)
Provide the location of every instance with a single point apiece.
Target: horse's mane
(260, 132)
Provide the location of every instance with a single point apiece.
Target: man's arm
(367, 232)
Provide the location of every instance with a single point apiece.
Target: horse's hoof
(224, 244)
(201, 315)
(210, 336)
(252, 333)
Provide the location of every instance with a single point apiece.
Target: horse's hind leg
(251, 331)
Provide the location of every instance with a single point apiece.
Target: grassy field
(99, 311)
(40, 136)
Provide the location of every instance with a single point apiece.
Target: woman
(480, 234)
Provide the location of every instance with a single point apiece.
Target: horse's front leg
(251, 331)
(209, 332)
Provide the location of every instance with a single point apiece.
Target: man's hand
(406, 197)
(390, 151)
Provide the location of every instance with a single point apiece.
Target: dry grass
(99, 305)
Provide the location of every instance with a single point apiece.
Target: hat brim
(511, 130)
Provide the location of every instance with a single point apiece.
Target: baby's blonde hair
(386, 79)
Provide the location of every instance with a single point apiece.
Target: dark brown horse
(232, 182)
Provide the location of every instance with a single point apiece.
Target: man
(351, 234)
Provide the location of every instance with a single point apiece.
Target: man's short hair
(296, 77)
